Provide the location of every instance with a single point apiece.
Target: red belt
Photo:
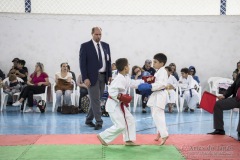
(123, 110)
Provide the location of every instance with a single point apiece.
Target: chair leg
(231, 114)
(136, 99)
(25, 104)
(181, 104)
(5, 101)
(177, 105)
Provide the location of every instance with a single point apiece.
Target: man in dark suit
(95, 66)
(226, 102)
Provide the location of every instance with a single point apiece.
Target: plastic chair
(137, 98)
(211, 80)
(221, 81)
(4, 96)
(73, 97)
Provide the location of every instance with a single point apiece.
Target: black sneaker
(191, 110)
(144, 111)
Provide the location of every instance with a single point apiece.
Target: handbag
(41, 105)
(63, 85)
(69, 109)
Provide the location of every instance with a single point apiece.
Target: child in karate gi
(123, 120)
(158, 98)
(188, 92)
(171, 86)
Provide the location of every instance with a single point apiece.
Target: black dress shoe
(218, 132)
(186, 109)
(98, 126)
(238, 136)
(91, 124)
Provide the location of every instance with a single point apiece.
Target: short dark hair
(93, 29)
(168, 68)
(160, 57)
(69, 68)
(185, 70)
(12, 77)
(63, 64)
(22, 62)
(121, 63)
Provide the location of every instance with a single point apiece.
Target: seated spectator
(186, 82)
(171, 86)
(148, 67)
(174, 68)
(11, 88)
(138, 73)
(114, 71)
(63, 86)
(14, 67)
(20, 71)
(227, 101)
(192, 72)
(24, 67)
(83, 91)
(36, 84)
(73, 74)
(236, 71)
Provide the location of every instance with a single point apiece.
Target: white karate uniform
(158, 100)
(120, 85)
(187, 85)
(171, 92)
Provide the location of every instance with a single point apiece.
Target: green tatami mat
(143, 152)
(12, 152)
(52, 152)
(89, 152)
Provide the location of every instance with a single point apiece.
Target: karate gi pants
(119, 126)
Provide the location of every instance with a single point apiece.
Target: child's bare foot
(131, 143)
(163, 141)
(102, 141)
(158, 136)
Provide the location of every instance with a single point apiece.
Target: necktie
(99, 56)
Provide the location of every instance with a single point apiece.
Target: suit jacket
(88, 60)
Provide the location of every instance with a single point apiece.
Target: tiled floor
(12, 121)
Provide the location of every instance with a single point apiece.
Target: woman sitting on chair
(138, 73)
(36, 84)
(64, 85)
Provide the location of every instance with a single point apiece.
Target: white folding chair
(176, 95)
(221, 81)
(73, 97)
(137, 98)
(211, 80)
(4, 96)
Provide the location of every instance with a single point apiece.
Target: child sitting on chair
(12, 87)
(171, 86)
(116, 106)
(187, 84)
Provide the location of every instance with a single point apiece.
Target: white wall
(210, 43)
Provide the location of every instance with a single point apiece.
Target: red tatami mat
(191, 146)
(15, 140)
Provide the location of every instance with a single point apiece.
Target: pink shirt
(40, 78)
